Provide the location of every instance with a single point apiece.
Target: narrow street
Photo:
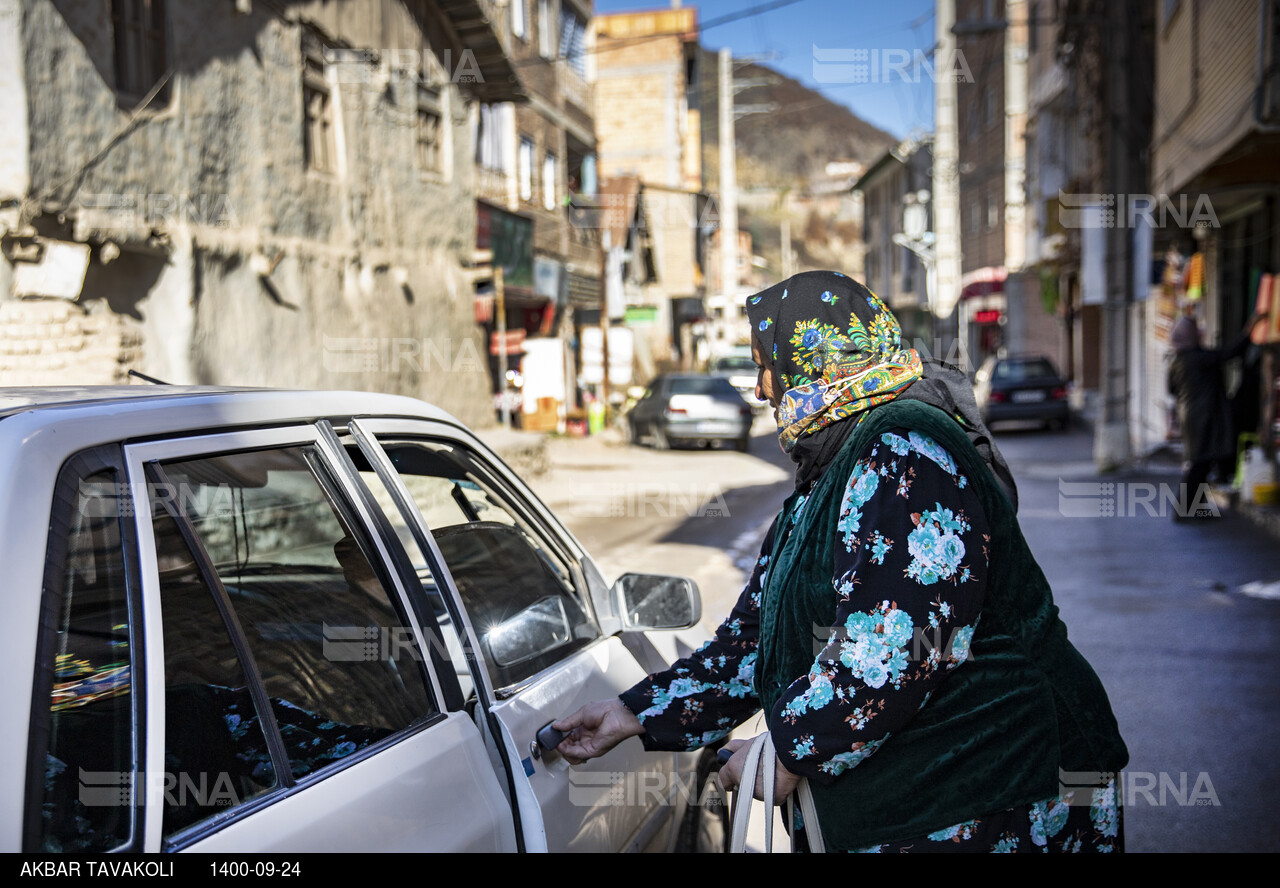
(1170, 615)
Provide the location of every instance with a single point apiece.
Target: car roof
(21, 399)
(90, 415)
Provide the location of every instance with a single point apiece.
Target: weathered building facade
(246, 194)
(648, 118)
(895, 198)
(1215, 140)
(535, 161)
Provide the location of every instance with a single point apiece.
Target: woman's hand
(784, 782)
(595, 729)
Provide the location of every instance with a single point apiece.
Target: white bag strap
(762, 751)
(812, 831)
(745, 794)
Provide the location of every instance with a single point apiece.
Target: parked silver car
(685, 408)
(741, 371)
(252, 621)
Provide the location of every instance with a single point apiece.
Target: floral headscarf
(836, 350)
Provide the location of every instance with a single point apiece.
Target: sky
(864, 54)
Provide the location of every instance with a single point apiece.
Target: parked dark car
(691, 409)
(1022, 388)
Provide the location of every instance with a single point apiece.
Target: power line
(627, 42)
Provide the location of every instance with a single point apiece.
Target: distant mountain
(790, 146)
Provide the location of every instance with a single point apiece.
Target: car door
(291, 697)
(540, 627)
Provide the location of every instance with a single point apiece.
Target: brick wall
(51, 342)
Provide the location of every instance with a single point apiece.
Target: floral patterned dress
(910, 573)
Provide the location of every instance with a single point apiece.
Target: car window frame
(370, 446)
(531, 509)
(341, 472)
(74, 469)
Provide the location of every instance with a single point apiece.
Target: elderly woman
(896, 630)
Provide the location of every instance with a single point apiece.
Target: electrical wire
(627, 42)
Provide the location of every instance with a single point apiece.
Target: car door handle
(548, 738)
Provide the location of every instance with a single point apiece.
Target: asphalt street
(1180, 620)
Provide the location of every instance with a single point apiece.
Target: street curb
(1266, 518)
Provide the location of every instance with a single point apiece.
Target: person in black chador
(1195, 379)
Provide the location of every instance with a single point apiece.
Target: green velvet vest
(996, 732)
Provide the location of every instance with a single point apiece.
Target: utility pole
(1111, 439)
(728, 181)
(787, 270)
(500, 307)
(945, 297)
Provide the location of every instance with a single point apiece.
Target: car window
(452, 636)
(215, 748)
(1024, 371)
(517, 584)
(702, 385)
(734, 365)
(84, 788)
(318, 614)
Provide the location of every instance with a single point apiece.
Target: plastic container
(595, 417)
(1255, 470)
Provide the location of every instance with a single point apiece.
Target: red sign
(514, 343)
(988, 316)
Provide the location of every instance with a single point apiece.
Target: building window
(519, 19)
(141, 47)
(429, 134)
(993, 211)
(524, 168)
(547, 29)
(989, 107)
(975, 216)
(319, 145)
(493, 137)
(971, 122)
(549, 181)
(573, 41)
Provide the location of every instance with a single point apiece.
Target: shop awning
(983, 281)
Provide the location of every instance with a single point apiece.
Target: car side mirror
(657, 601)
(538, 629)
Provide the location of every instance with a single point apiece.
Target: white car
(269, 621)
